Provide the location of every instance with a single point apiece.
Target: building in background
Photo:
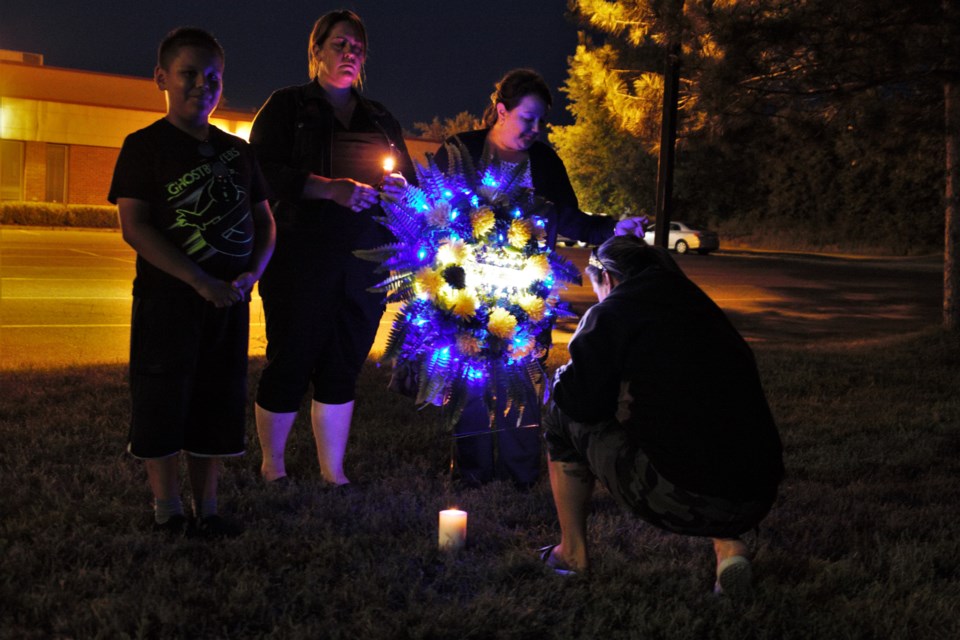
(61, 129)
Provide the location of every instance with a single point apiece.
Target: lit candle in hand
(453, 529)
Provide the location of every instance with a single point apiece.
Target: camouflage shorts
(626, 471)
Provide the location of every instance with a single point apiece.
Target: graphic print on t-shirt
(208, 200)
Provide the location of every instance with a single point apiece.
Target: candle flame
(388, 164)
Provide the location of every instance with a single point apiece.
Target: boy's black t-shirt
(200, 196)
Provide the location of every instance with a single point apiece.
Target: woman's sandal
(546, 556)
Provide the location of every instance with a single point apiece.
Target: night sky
(427, 58)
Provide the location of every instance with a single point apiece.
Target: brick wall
(90, 171)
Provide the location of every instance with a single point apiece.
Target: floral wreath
(479, 285)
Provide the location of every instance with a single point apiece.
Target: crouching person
(661, 400)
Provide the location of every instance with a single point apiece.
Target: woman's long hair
(321, 31)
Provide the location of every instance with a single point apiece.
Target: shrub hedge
(47, 214)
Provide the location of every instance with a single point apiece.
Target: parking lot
(65, 297)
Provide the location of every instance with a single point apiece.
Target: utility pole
(668, 128)
(951, 101)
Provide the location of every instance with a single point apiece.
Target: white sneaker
(734, 578)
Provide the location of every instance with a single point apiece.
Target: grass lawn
(862, 542)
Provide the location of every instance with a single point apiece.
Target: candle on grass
(453, 529)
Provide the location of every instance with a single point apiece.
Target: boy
(192, 203)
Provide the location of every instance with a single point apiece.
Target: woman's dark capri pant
(634, 482)
(322, 337)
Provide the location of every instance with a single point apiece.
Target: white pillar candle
(453, 529)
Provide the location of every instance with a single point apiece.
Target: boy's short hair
(627, 256)
(186, 37)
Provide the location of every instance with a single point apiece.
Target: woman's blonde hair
(321, 31)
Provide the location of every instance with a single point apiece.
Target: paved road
(65, 297)
(808, 298)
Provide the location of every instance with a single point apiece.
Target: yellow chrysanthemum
(452, 253)
(519, 233)
(446, 296)
(532, 305)
(468, 345)
(538, 267)
(427, 282)
(463, 304)
(439, 216)
(482, 221)
(502, 323)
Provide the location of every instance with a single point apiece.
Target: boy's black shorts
(188, 377)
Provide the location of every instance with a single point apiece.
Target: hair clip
(594, 261)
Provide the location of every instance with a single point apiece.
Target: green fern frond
(393, 283)
(379, 254)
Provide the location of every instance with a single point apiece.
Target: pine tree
(797, 117)
(611, 170)
(625, 71)
(616, 89)
(867, 72)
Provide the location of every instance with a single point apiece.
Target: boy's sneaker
(217, 527)
(734, 578)
(176, 526)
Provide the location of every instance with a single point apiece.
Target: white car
(685, 237)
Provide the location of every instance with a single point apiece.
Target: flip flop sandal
(546, 556)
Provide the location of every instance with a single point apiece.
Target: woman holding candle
(325, 151)
(661, 400)
(510, 447)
